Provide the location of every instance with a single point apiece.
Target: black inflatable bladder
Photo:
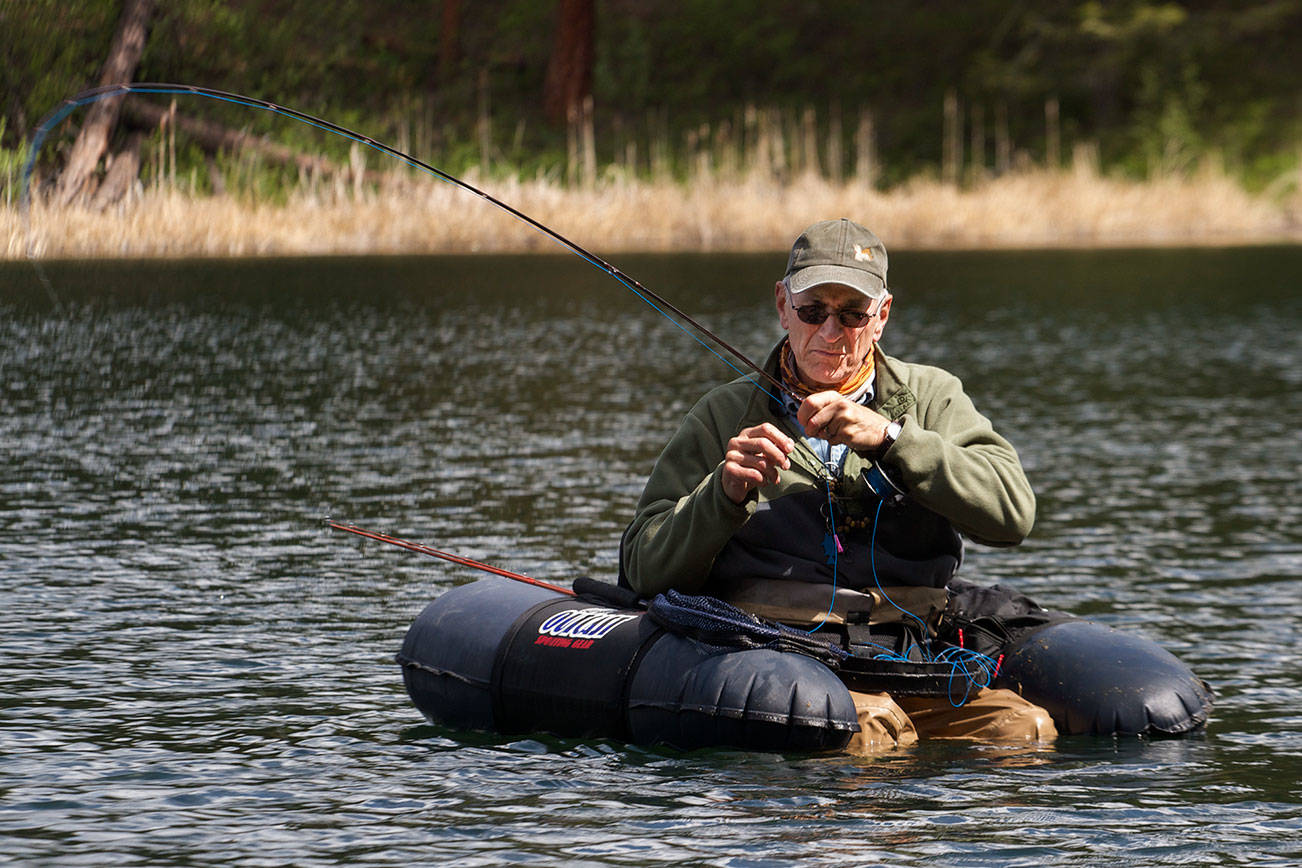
(1095, 680)
(1091, 678)
(511, 657)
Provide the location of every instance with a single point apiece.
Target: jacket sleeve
(952, 461)
(683, 519)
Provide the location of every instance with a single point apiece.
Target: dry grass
(1035, 208)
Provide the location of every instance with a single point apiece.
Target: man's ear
(784, 311)
(882, 317)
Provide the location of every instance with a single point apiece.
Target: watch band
(890, 434)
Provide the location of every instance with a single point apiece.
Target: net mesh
(711, 620)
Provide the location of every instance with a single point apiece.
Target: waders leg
(883, 725)
(996, 716)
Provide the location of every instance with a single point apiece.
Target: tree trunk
(569, 72)
(951, 161)
(123, 171)
(1052, 136)
(78, 178)
(1003, 141)
(865, 143)
(449, 40)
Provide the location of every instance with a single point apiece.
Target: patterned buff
(792, 377)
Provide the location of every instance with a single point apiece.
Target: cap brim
(821, 275)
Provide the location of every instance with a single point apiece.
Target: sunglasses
(816, 314)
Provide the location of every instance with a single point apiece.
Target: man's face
(829, 353)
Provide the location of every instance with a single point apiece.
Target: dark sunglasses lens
(814, 314)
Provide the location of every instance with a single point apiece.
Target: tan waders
(990, 716)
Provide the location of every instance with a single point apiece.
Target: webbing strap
(499, 659)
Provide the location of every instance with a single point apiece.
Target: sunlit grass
(402, 214)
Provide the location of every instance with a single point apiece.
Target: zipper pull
(831, 547)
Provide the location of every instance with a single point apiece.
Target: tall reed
(621, 213)
(745, 183)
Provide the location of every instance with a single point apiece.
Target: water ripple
(196, 672)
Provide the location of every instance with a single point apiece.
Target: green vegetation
(1146, 88)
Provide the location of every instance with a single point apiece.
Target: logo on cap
(863, 254)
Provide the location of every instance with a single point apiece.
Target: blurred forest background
(577, 94)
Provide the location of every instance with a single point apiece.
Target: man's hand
(832, 417)
(753, 458)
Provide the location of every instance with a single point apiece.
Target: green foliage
(1157, 86)
(12, 162)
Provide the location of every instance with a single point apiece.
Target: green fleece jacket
(957, 474)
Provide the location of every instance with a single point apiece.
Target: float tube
(515, 658)
(504, 656)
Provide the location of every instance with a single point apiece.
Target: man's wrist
(890, 434)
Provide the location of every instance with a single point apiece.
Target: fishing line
(653, 299)
(657, 302)
(974, 668)
(836, 552)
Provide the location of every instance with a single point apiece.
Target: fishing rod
(654, 299)
(456, 559)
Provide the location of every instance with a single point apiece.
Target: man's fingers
(760, 448)
(770, 432)
(751, 476)
(826, 421)
(755, 457)
(743, 472)
(819, 402)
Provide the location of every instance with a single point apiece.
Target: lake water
(193, 671)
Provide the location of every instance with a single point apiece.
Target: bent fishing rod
(654, 299)
(456, 559)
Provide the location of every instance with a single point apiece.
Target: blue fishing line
(872, 562)
(975, 673)
(70, 105)
(973, 667)
(118, 90)
(977, 668)
(831, 517)
(961, 659)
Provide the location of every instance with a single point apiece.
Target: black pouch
(991, 618)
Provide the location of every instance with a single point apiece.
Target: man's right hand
(754, 458)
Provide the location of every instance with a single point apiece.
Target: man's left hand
(832, 417)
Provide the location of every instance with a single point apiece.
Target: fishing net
(711, 620)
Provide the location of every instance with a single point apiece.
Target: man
(840, 499)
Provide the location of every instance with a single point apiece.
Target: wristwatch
(890, 434)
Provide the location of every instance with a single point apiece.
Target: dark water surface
(192, 671)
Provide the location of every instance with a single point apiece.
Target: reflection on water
(194, 671)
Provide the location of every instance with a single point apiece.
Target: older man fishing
(839, 499)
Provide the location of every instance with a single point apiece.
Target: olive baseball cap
(841, 252)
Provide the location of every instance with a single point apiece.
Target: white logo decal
(863, 254)
(583, 623)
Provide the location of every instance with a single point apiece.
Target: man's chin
(826, 383)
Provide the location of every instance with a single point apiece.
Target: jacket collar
(891, 397)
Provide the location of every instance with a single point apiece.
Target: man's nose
(830, 329)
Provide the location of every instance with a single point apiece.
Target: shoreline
(1074, 209)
